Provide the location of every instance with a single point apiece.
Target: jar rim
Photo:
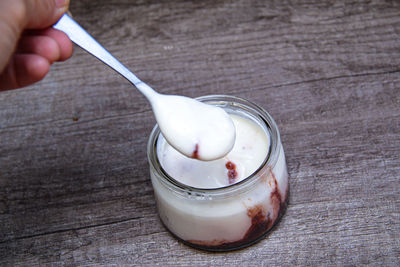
(221, 101)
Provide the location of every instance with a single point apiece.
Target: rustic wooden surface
(74, 179)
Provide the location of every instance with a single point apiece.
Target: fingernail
(62, 3)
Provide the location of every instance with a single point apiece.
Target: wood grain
(74, 179)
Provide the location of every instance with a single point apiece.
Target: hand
(28, 44)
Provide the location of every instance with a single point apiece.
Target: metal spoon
(193, 128)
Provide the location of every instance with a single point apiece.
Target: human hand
(28, 44)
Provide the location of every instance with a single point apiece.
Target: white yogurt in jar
(202, 205)
(249, 151)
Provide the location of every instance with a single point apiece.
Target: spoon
(195, 129)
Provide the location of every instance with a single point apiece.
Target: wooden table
(74, 178)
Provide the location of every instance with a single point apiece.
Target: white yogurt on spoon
(195, 129)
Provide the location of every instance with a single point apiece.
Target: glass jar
(230, 217)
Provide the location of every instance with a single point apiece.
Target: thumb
(43, 13)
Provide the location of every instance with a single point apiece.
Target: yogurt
(249, 151)
(227, 203)
(195, 129)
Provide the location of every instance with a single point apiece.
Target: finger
(43, 13)
(23, 70)
(43, 46)
(63, 41)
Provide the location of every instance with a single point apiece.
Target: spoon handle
(83, 39)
